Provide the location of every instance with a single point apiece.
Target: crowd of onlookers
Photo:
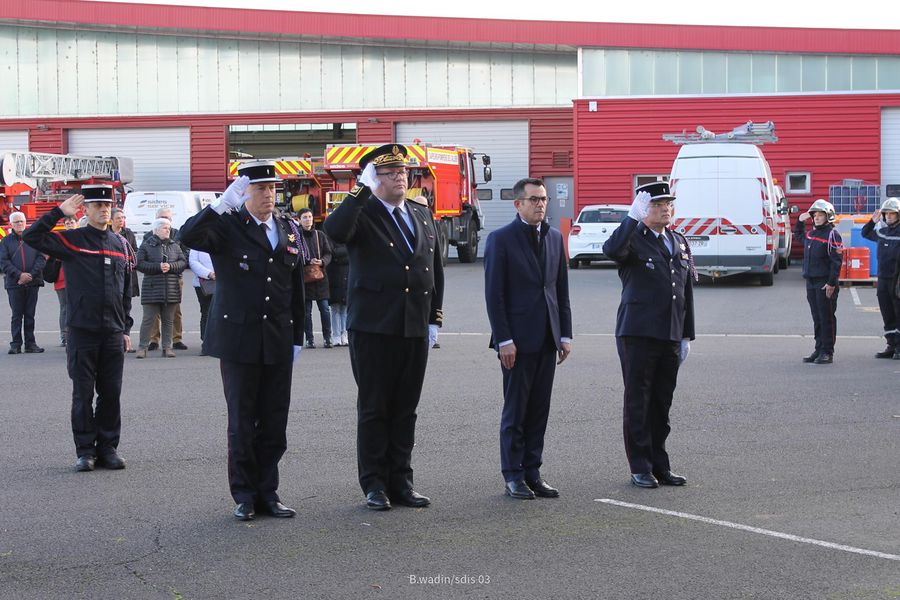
(164, 262)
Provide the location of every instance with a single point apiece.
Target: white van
(726, 208)
(141, 207)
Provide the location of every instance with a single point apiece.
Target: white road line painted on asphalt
(769, 532)
(855, 295)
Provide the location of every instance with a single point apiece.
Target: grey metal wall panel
(506, 142)
(890, 147)
(162, 156)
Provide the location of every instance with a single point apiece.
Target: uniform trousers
(526, 406)
(889, 304)
(259, 399)
(61, 296)
(95, 360)
(650, 372)
(22, 303)
(389, 372)
(823, 311)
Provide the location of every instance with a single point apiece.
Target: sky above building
(859, 14)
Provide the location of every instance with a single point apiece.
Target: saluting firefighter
(654, 327)
(884, 230)
(395, 289)
(822, 256)
(99, 265)
(255, 328)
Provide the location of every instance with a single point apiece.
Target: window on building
(645, 179)
(798, 183)
(485, 194)
(507, 194)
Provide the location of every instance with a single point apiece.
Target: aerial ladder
(748, 133)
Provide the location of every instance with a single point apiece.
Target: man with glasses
(654, 327)
(526, 287)
(395, 289)
(23, 267)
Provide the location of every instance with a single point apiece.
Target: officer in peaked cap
(395, 290)
(654, 326)
(255, 328)
(98, 264)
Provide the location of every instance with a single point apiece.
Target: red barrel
(857, 263)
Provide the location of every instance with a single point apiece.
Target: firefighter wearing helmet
(822, 257)
(884, 230)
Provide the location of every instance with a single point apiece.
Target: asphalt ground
(765, 442)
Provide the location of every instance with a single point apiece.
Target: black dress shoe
(244, 511)
(179, 346)
(811, 358)
(327, 344)
(644, 480)
(111, 461)
(85, 463)
(15, 351)
(542, 488)
(886, 353)
(153, 346)
(275, 508)
(824, 359)
(670, 478)
(519, 490)
(33, 349)
(411, 498)
(378, 500)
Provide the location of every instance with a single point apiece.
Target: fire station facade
(584, 106)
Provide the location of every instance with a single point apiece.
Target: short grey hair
(17, 214)
(160, 211)
(160, 222)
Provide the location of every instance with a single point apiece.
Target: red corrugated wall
(832, 137)
(209, 154)
(45, 139)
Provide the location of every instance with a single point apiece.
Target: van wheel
(469, 252)
(766, 279)
(573, 263)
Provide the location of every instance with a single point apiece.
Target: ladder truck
(35, 182)
(304, 183)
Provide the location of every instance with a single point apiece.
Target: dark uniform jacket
(526, 292)
(17, 257)
(822, 252)
(390, 291)
(338, 271)
(258, 310)
(98, 273)
(159, 287)
(657, 290)
(888, 240)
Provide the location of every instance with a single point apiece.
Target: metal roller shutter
(162, 156)
(14, 140)
(890, 148)
(506, 142)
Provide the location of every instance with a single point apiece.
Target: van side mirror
(485, 159)
(487, 174)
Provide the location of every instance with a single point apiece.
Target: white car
(594, 225)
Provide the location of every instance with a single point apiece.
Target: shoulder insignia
(356, 190)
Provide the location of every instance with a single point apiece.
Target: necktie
(404, 228)
(662, 242)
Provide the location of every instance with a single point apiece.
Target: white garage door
(14, 140)
(162, 157)
(890, 148)
(506, 142)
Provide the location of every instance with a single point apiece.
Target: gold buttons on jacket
(406, 290)
(270, 261)
(225, 317)
(269, 279)
(406, 267)
(265, 317)
(267, 298)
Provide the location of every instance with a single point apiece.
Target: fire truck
(443, 174)
(304, 182)
(34, 183)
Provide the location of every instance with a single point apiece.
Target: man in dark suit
(654, 327)
(395, 290)
(526, 287)
(255, 328)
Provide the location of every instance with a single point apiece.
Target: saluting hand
(564, 352)
(804, 217)
(368, 177)
(876, 216)
(71, 205)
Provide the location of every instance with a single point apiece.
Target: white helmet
(823, 206)
(891, 204)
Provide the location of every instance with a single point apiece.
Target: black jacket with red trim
(822, 252)
(98, 272)
(17, 257)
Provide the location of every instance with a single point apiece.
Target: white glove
(640, 207)
(297, 350)
(368, 178)
(432, 335)
(233, 197)
(685, 349)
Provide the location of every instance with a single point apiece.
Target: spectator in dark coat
(316, 250)
(23, 267)
(162, 261)
(338, 271)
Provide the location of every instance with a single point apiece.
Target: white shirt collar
(270, 222)
(390, 207)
